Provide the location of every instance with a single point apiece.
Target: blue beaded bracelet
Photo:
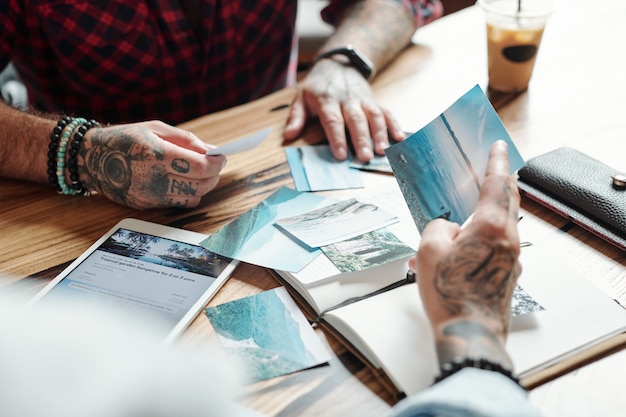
(60, 171)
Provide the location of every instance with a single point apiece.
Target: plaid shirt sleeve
(422, 11)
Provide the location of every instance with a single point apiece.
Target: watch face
(356, 59)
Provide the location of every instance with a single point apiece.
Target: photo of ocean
(267, 334)
(440, 167)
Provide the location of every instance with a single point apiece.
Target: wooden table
(575, 99)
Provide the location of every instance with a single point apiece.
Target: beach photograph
(267, 334)
(440, 167)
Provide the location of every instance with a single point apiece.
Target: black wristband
(359, 61)
(450, 368)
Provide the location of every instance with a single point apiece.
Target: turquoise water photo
(440, 167)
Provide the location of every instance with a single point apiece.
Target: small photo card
(336, 222)
(367, 251)
(268, 335)
(241, 145)
(314, 168)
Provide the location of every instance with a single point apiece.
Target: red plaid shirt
(122, 61)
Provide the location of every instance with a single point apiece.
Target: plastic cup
(514, 32)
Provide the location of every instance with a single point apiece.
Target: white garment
(470, 392)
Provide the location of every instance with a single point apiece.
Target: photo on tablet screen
(134, 272)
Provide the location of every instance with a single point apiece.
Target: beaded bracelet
(52, 151)
(65, 137)
(72, 164)
(450, 368)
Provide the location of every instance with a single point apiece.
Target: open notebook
(391, 333)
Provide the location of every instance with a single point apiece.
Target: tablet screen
(140, 273)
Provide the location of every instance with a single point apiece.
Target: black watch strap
(359, 61)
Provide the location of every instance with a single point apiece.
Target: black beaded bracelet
(72, 164)
(52, 151)
(450, 368)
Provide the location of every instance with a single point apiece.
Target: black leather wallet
(579, 188)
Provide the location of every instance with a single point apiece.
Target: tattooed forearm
(467, 338)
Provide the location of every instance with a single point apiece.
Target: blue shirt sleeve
(469, 393)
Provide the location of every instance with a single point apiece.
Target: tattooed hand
(467, 276)
(148, 165)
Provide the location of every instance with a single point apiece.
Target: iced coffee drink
(511, 55)
(514, 32)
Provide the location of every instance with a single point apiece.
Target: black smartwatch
(356, 59)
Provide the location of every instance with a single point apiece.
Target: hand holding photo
(241, 145)
(440, 167)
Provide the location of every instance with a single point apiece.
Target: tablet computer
(143, 268)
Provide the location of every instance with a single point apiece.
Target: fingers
(297, 118)
(150, 185)
(395, 132)
(179, 137)
(185, 153)
(367, 125)
(191, 175)
(333, 124)
(343, 102)
(498, 206)
(183, 192)
(498, 163)
(190, 164)
(498, 192)
(437, 239)
(439, 232)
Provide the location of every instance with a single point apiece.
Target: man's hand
(342, 99)
(148, 165)
(338, 95)
(467, 276)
